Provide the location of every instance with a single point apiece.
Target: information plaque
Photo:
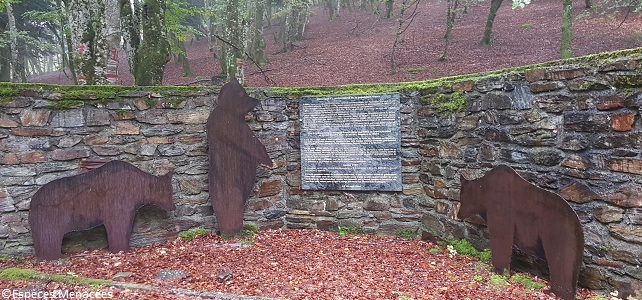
(351, 143)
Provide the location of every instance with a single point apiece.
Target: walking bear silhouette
(108, 195)
(537, 221)
(234, 154)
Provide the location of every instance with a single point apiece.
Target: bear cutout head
(234, 100)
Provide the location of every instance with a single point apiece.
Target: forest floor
(284, 264)
(356, 47)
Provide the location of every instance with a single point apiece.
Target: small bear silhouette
(110, 195)
(234, 154)
(535, 220)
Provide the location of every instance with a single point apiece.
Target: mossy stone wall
(572, 127)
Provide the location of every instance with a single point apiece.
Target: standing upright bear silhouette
(535, 220)
(234, 154)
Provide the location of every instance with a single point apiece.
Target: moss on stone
(627, 81)
(31, 275)
(424, 88)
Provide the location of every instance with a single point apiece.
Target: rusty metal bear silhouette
(108, 195)
(234, 154)
(537, 221)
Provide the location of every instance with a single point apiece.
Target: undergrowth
(345, 230)
(192, 233)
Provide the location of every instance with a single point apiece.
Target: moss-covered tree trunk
(154, 51)
(130, 22)
(488, 32)
(389, 8)
(331, 5)
(567, 29)
(181, 55)
(5, 64)
(146, 41)
(231, 51)
(257, 43)
(94, 39)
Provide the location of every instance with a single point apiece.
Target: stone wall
(571, 127)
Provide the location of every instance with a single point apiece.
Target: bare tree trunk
(402, 24)
(15, 61)
(66, 49)
(451, 14)
(488, 32)
(567, 30)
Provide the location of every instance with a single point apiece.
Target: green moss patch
(31, 275)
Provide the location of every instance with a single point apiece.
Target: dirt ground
(356, 47)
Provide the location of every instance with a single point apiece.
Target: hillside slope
(356, 48)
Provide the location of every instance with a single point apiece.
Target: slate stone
(17, 171)
(546, 157)
(622, 122)
(153, 116)
(69, 141)
(274, 214)
(69, 154)
(69, 118)
(611, 102)
(546, 87)
(632, 166)
(126, 128)
(36, 118)
(514, 156)
(164, 130)
(554, 103)
(120, 275)
(192, 117)
(586, 122)
(495, 134)
(6, 202)
(564, 74)
(170, 274)
(610, 141)
(107, 150)
(495, 101)
(98, 117)
(171, 150)
(574, 142)
(608, 214)
(470, 154)
(627, 233)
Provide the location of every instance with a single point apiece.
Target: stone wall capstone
(572, 127)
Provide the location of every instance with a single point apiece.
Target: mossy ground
(31, 275)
